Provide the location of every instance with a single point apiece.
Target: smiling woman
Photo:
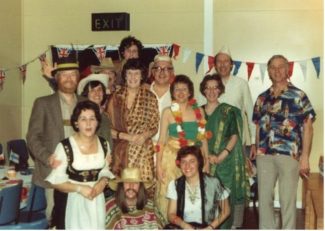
(133, 110)
(83, 170)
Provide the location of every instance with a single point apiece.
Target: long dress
(168, 163)
(224, 122)
(143, 116)
(81, 213)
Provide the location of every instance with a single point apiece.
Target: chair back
(18, 147)
(10, 202)
(36, 201)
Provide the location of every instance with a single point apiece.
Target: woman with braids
(225, 146)
(134, 114)
(196, 200)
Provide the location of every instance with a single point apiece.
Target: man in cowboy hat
(131, 202)
(108, 68)
(49, 124)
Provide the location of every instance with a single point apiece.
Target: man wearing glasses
(163, 73)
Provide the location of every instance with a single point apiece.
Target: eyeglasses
(164, 69)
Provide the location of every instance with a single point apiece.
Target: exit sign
(110, 21)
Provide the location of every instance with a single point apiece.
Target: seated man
(130, 208)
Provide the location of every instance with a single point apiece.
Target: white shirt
(163, 102)
(237, 94)
(192, 211)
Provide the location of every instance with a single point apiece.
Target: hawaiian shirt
(281, 121)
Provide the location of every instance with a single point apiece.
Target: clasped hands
(92, 192)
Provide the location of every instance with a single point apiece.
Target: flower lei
(202, 134)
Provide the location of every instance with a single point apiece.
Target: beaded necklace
(175, 108)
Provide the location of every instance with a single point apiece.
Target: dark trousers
(58, 213)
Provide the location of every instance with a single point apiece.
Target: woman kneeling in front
(196, 200)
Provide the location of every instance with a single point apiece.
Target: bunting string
(174, 50)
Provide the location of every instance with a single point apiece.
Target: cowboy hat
(106, 63)
(129, 175)
(92, 77)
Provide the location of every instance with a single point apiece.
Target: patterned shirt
(147, 218)
(281, 121)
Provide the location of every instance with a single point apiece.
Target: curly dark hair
(191, 150)
(134, 64)
(82, 106)
(215, 77)
(182, 79)
(127, 42)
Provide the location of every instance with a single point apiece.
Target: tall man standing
(237, 94)
(49, 124)
(283, 116)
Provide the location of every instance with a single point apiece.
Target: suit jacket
(45, 131)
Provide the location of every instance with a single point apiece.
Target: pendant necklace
(192, 194)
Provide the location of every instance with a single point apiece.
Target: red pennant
(23, 70)
(291, 64)
(176, 50)
(2, 78)
(210, 63)
(250, 67)
(42, 57)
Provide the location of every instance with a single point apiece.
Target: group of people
(117, 152)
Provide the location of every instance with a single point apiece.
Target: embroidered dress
(142, 117)
(279, 119)
(81, 213)
(224, 122)
(147, 218)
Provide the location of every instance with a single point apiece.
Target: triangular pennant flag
(176, 50)
(236, 67)
(291, 64)
(250, 67)
(316, 62)
(163, 50)
(42, 57)
(198, 60)
(14, 157)
(210, 63)
(2, 78)
(100, 52)
(186, 54)
(63, 52)
(23, 70)
(262, 70)
(303, 66)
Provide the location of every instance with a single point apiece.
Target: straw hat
(106, 63)
(129, 175)
(92, 77)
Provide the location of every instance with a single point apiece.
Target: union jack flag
(14, 157)
(42, 57)
(164, 50)
(63, 52)
(100, 52)
(23, 70)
